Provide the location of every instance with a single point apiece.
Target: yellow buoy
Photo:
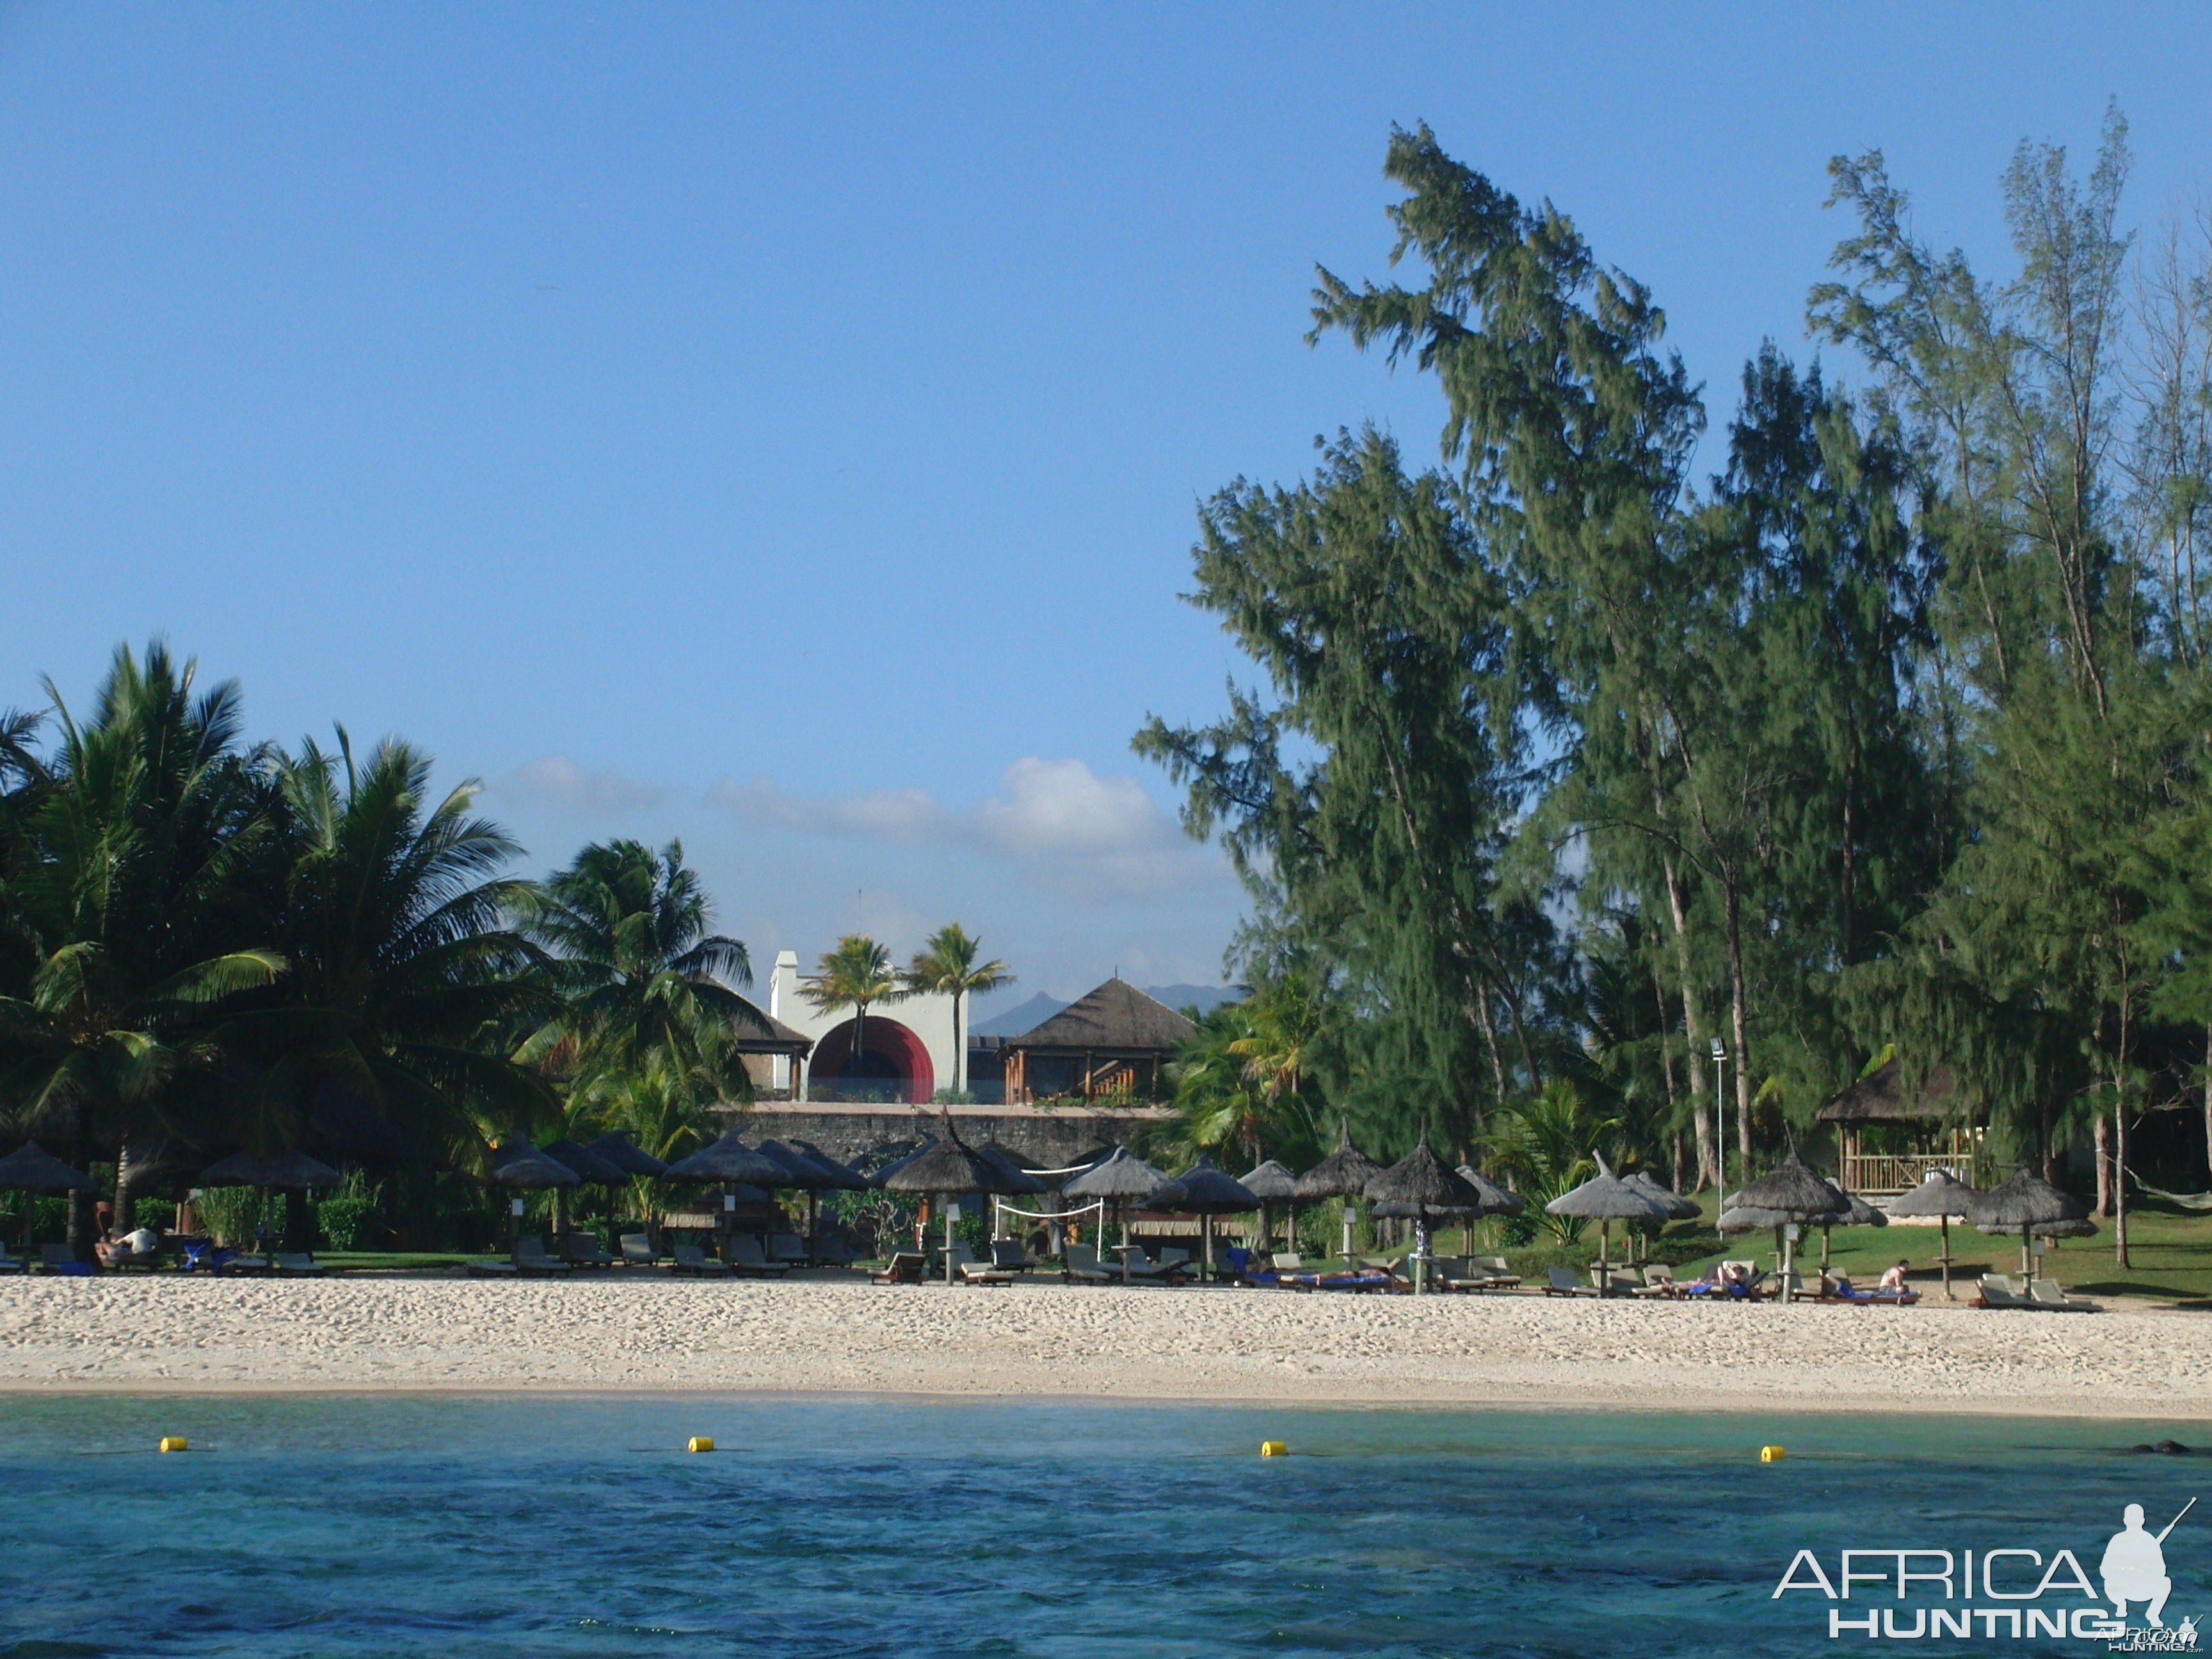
(1274, 1449)
(173, 1442)
(1772, 1454)
(699, 1442)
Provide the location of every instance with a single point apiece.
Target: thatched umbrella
(288, 1173)
(947, 1167)
(1605, 1198)
(616, 1148)
(517, 1164)
(849, 1180)
(2026, 1202)
(1272, 1184)
(727, 1161)
(1422, 1186)
(591, 1168)
(31, 1169)
(1496, 1201)
(1118, 1177)
(1788, 1195)
(1020, 1182)
(1678, 1208)
(1206, 1191)
(1343, 1173)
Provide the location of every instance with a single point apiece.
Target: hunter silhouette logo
(2010, 1593)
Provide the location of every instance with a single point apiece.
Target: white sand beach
(841, 1333)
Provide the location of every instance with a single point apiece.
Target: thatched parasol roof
(1343, 1173)
(1496, 1199)
(799, 1171)
(2083, 1228)
(946, 1166)
(1024, 1185)
(1606, 1197)
(516, 1163)
(1117, 1019)
(728, 1159)
(30, 1168)
(1855, 1213)
(2026, 1200)
(849, 1180)
(1421, 1183)
(1880, 1097)
(1270, 1183)
(1677, 1206)
(1788, 1192)
(615, 1146)
(292, 1171)
(1941, 1193)
(1121, 1174)
(1203, 1189)
(590, 1166)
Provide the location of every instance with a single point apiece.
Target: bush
(348, 1222)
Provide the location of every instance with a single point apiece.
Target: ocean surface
(488, 1526)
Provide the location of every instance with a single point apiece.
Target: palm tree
(856, 975)
(408, 983)
(128, 911)
(946, 966)
(639, 972)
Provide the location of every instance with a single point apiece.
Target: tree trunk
(300, 1221)
(2104, 1141)
(2120, 1185)
(126, 1201)
(1693, 1027)
(1741, 1021)
(79, 1236)
(2208, 1103)
(959, 1049)
(1489, 1029)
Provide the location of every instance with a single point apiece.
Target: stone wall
(1043, 1137)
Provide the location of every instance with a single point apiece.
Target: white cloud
(1058, 822)
(559, 781)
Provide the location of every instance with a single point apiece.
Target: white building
(908, 1055)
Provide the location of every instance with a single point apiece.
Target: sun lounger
(690, 1259)
(973, 1272)
(903, 1268)
(299, 1264)
(530, 1257)
(247, 1264)
(61, 1259)
(744, 1253)
(1081, 1266)
(583, 1250)
(8, 1264)
(1561, 1281)
(488, 1267)
(637, 1250)
(1473, 1272)
(832, 1251)
(1363, 1278)
(2046, 1293)
(787, 1249)
(1658, 1280)
(1008, 1253)
(1998, 1291)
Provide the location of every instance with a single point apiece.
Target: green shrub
(347, 1222)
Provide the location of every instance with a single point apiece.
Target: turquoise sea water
(399, 1527)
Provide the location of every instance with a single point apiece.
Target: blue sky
(781, 428)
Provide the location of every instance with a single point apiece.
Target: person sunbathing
(1894, 1279)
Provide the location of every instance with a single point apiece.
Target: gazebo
(1942, 1140)
(1116, 1041)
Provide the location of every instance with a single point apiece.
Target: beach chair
(61, 1259)
(488, 1267)
(1488, 1273)
(530, 1257)
(690, 1259)
(2046, 1293)
(583, 1250)
(1081, 1266)
(1658, 1280)
(1008, 1253)
(1998, 1291)
(1174, 1261)
(742, 1251)
(637, 1250)
(8, 1264)
(247, 1264)
(299, 1264)
(973, 1272)
(903, 1268)
(788, 1249)
(831, 1250)
(1288, 1261)
(1561, 1281)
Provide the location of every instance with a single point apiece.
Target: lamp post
(1720, 1133)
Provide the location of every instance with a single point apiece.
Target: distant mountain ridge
(1029, 1014)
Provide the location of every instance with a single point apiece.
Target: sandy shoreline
(653, 1335)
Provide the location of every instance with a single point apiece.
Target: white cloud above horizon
(1059, 823)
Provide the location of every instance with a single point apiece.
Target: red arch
(888, 1040)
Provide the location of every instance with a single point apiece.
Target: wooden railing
(1900, 1172)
